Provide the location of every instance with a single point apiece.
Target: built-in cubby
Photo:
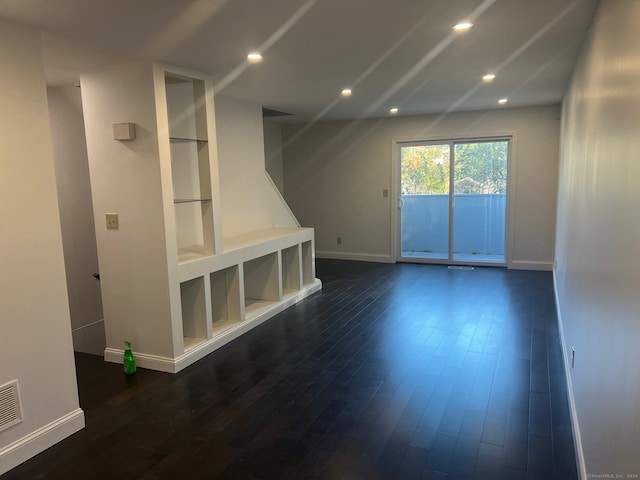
(226, 308)
(194, 312)
(291, 281)
(190, 166)
(261, 283)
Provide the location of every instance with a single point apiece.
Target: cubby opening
(186, 107)
(261, 282)
(291, 270)
(190, 171)
(192, 233)
(225, 299)
(194, 312)
(308, 272)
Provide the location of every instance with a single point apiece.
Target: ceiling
(391, 53)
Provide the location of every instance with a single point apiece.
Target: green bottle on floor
(129, 360)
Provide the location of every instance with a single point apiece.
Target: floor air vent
(460, 267)
(10, 412)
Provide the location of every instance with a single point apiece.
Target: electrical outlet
(339, 240)
(112, 221)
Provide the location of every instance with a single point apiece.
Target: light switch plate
(112, 221)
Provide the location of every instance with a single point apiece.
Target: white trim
(394, 213)
(284, 202)
(32, 444)
(511, 219)
(510, 225)
(360, 257)
(531, 265)
(143, 360)
(174, 365)
(87, 325)
(575, 424)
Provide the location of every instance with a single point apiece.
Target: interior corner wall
(34, 312)
(598, 228)
(76, 218)
(273, 153)
(335, 173)
(249, 200)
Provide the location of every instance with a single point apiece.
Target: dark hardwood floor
(392, 371)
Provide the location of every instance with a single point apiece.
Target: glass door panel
(424, 201)
(480, 200)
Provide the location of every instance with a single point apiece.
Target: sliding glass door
(453, 201)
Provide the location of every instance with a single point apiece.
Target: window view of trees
(425, 169)
(479, 167)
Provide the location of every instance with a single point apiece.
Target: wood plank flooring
(392, 371)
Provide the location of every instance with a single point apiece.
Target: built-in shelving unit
(256, 276)
(194, 290)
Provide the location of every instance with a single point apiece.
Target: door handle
(400, 203)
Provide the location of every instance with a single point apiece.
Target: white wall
(125, 179)
(598, 230)
(34, 312)
(250, 201)
(76, 218)
(273, 153)
(335, 174)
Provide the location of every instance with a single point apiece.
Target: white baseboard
(36, 442)
(192, 355)
(577, 439)
(531, 265)
(360, 257)
(143, 360)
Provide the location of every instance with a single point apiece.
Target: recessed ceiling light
(346, 92)
(393, 111)
(489, 77)
(254, 57)
(502, 101)
(462, 26)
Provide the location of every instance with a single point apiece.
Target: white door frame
(397, 143)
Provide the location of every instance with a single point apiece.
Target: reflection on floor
(459, 257)
(392, 371)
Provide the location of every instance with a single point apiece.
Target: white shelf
(222, 326)
(308, 263)
(190, 343)
(194, 315)
(291, 270)
(255, 307)
(258, 237)
(262, 281)
(226, 308)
